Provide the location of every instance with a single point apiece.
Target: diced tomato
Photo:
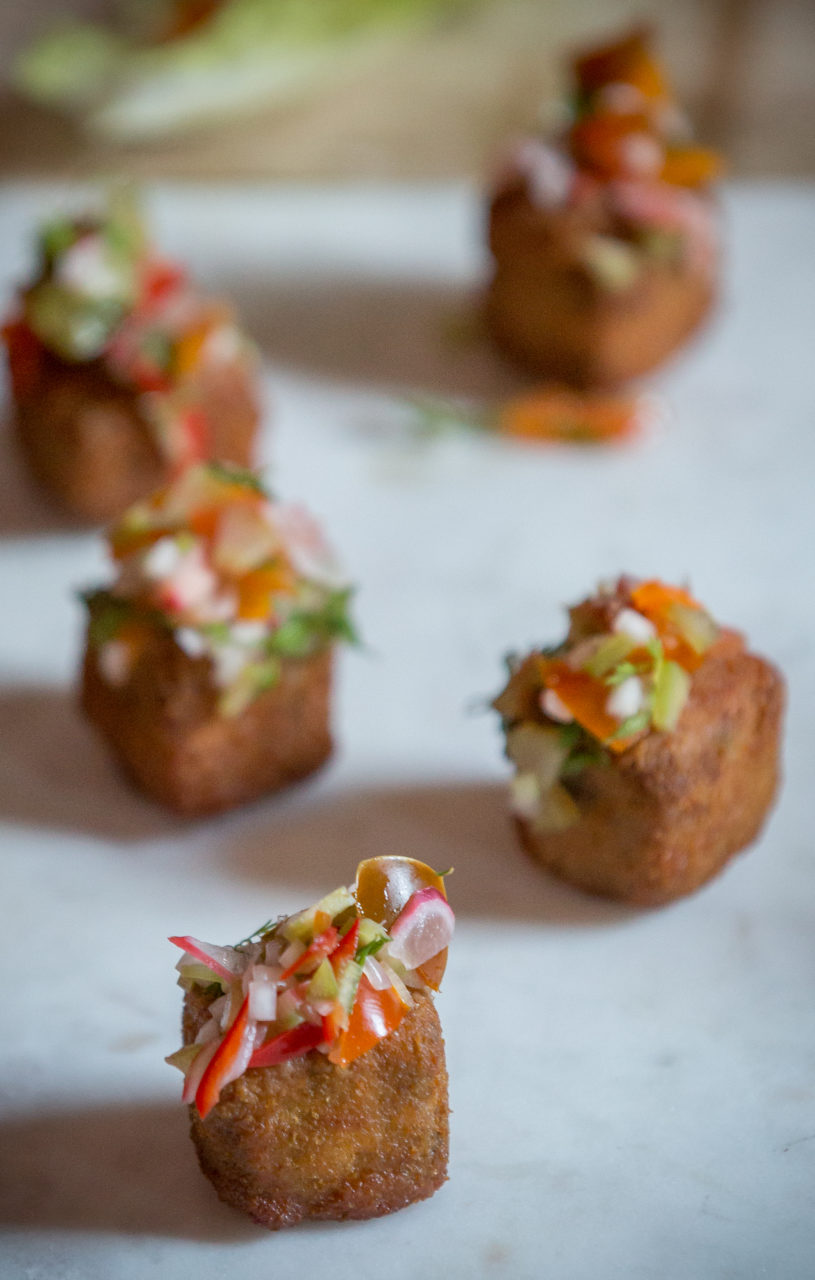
(24, 357)
(375, 1015)
(321, 946)
(291, 1044)
(218, 1073)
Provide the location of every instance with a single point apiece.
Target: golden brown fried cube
(665, 815)
(307, 1139)
(549, 312)
(88, 444)
(167, 733)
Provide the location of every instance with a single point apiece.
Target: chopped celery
(557, 811)
(670, 695)
(184, 1057)
(611, 651)
(614, 264)
(537, 749)
(348, 984)
(695, 626)
(323, 985)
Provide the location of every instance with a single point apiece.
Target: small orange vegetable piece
(562, 416)
(375, 1015)
(215, 1076)
(691, 166)
(655, 599)
(256, 588)
(586, 699)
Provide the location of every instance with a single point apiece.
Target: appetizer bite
(313, 1058)
(645, 745)
(121, 372)
(208, 658)
(604, 235)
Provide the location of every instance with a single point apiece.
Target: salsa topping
(236, 577)
(625, 159)
(623, 671)
(104, 294)
(335, 978)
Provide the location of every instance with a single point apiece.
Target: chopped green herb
(369, 949)
(633, 724)
(229, 474)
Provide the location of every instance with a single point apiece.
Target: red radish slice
(422, 929)
(225, 962)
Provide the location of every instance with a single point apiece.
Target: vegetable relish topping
(335, 978)
(623, 671)
(237, 578)
(104, 294)
(625, 158)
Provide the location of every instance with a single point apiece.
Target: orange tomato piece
(691, 166)
(555, 414)
(375, 1015)
(627, 61)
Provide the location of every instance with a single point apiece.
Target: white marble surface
(633, 1092)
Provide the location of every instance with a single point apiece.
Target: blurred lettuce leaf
(248, 53)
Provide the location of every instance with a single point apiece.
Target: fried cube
(307, 1139)
(165, 728)
(87, 442)
(548, 310)
(661, 818)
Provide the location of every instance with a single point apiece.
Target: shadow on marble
(127, 1169)
(24, 509)
(417, 335)
(463, 825)
(55, 773)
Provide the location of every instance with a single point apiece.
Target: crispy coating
(666, 815)
(307, 1139)
(547, 312)
(166, 732)
(87, 443)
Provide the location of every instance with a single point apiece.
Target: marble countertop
(633, 1092)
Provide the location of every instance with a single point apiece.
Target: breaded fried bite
(208, 660)
(646, 745)
(313, 1056)
(121, 372)
(603, 236)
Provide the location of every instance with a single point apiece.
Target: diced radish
(225, 962)
(627, 699)
(262, 999)
(422, 929)
(629, 622)
(377, 974)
